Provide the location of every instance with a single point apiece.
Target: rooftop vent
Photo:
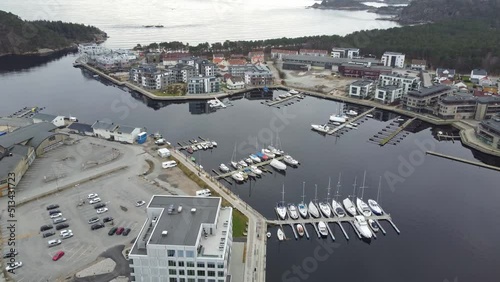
(164, 233)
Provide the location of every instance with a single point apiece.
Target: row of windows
(191, 264)
(192, 272)
(194, 280)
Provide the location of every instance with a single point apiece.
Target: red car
(58, 255)
(119, 231)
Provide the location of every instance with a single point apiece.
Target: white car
(95, 200)
(14, 265)
(54, 242)
(56, 215)
(67, 235)
(103, 210)
(139, 203)
(65, 231)
(91, 196)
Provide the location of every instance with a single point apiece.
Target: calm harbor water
(196, 21)
(445, 210)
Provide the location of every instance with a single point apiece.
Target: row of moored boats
(203, 145)
(337, 120)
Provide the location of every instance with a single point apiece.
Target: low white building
(234, 83)
(183, 238)
(393, 59)
(388, 94)
(92, 49)
(345, 53)
(477, 74)
(361, 88)
(418, 64)
(115, 132)
(164, 153)
(55, 120)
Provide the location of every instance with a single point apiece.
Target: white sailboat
(323, 206)
(280, 234)
(249, 161)
(238, 176)
(242, 163)
(292, 209)
(302, 206)
(280, 207)
(322, 229)
(223, 168)
(363, 208)
(362, 225)
(320, 128)
(374, 206)
(313, 210)
(255, 170)
(278, 165)
(336, 206)
(348, 205)
(233, 163)
(254, 158)
(268, 153)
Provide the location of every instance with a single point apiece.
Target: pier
(463, 160)
(351, 121)
(228, 174)
(282, 100)
(396, 132)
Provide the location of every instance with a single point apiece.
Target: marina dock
(275, 102)
(228, 174)
(396, 132)
(463, 160)
(336, 129)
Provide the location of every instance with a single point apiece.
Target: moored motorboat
(320, 128)
(373, 224)
(254, 158)
(194, 147)
(245, 175)
(209, 144)
(293, 92)
(337, 208)
(275, 151)
(238, 176)
(325, 209)
(349, 207)
(336, 123)
(363, 208)
(374, 206)
(281, 211)
(223, 168)
(268, 153)
(322, 229)
(214, 143)
(352, 113)
(242, 163)
(278, 165)
(362, 225)
(281, 234)
(292, 209)
(235, 165)
(268, 234)
(313, 210)
(337, 118)
(199, 147)
(302, 210)
(248, 161)
(262, 156)
(290, 161)
(255, 170)
(350, 126)
(300, 229)
(189, 150)
(369, 115)
(282, 96)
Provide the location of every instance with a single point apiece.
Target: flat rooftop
(493, 124)
(429, 91)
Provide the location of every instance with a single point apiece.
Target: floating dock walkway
(282, 100)
(463, 160)
(228, 174)
(396, 132)
(332, 131)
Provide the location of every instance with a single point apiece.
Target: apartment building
(361, 88)
(345, 53)
(258, 76)
(366, 71)
(405, 82)
(203, 85)
(388, 94)
(393, 59)
(313, 52)
(467, 106)
(279, 53)
(92, 49)
(183, 239)
(488, 131)
(425, 99)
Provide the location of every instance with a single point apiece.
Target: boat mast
(234, 152)
(328, 190)
(363, 187)
(283, 195)
(304, 192)
(337, 194)
(316, 193)
(379, 185)
(354, 188)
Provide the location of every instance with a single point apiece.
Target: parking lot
(119, 191)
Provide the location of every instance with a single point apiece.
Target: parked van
(203, 193)
(169, 164)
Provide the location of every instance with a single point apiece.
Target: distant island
(20, 37)
(358, 5)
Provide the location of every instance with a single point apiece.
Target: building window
(211, 273)
(172, 272)
(200, 265)
(180, 254)
(181, 263)
(171, 263)
(190, 272)
(191, 280)
(173, 280)
(201, 272)
(190, 264)
(171, 253)
(220, 273)
(182, 272)
(220, 265)
(211, 265)
(190, 254)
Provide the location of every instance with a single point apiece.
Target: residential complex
(203, 84)
(361, 88)
(345, 53)
(252, 74)
(467, 106)
(393, 59)
(405, 82)
(91, 49)
(388, 94)
(326, 62)
(488, 131)
(425, 99)
(183, 239)
(256, 57)
(313, 52)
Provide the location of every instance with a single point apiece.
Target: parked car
(96, 226)
(99, 206)
(56, 215)
(46, 227)
(48, 234)
(58, 255)
(65, 231)
(14, 265)
(119, 231)
(54, 242)
(67, 235)
(51, 207)
(102, 210)
(93, 220)
(95, 200)
(139, 203)
(112, 231)
(51, 212)
(92, 196)
(107, 219)
(62, 226)
(126, 232)
(58, 220)
(9, 254)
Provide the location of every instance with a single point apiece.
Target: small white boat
(373, 224)
(349, 207)
(268, 153)
(248, 161)
(281, 210)
(337, 118)
(282, 96)
(238, 176)
(363, 208)
(375, 207)
(369, 115)
(199, 147)
(268, 234)
(194, 147)
(325, 209)
(337, 208)
(300, 229)
(350, 126)
(292, 209)
(278, 165)
(352, 113)
(353, 124)
(290, 161)
(255, 170)
(223, 168)
(235, 165)
(362, 225)
(214, 143)
(293, 92)
(275, 151)
(281, 234)
(255, 159)
(313, 210)
(322, 229)
(209, 145)
(302, 210)
(336, 123)
(242, 163)
(321, 128)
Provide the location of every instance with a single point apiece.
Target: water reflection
(17, 63)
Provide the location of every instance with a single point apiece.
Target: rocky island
(21, 37)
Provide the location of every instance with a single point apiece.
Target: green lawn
(239, 223)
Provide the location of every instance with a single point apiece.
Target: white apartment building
(91, 49)
(184, 239)
(361, 88)
(345, 53)
(388, 94)
(405, 82)
(393, 59)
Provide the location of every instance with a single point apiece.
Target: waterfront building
(279, 53)
(313, 52)
(116, 132)
(327, 62)
(203, 84)
(366, 71)
(393, 59)
(92, 49)
(55, 120)
(361, 88)
(234, 83)
(256, 57)
(425, 99)
(418, 64)
(183, 238)
(405, 82)
(258, 75)
(388, 94)
(467, 106)
(488, 131)
(350, 53)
